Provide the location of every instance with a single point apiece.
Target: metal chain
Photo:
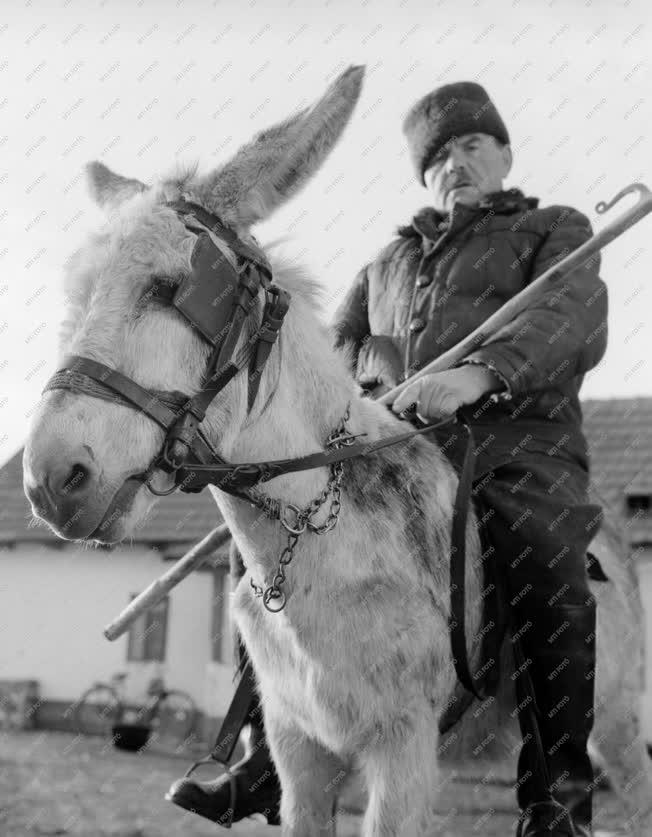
(296, 520)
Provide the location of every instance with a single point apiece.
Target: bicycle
(101, 710)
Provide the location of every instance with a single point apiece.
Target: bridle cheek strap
(255, 353)
(203, 299)
(276, 306)
(181, 416)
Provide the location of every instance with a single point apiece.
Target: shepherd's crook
(584, 253)
(158, 589)
(481, 336)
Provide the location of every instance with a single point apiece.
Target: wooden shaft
(159, 588)
(482, 335)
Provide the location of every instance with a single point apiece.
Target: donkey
(356, 669)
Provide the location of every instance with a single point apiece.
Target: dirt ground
(54, 783)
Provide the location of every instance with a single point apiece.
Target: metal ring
(155, 491)
(271, 594)
(290, 528)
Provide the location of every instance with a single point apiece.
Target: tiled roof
(178, 519)
(619, 432)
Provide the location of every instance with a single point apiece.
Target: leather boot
(558, 645)
(252, 788)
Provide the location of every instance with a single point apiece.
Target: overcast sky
(143, 86)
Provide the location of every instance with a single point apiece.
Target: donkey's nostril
(78, 476)
(70, 482)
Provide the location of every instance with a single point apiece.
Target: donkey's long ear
(109, 189)
(275, 165)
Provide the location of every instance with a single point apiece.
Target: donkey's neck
(309, 385)
(396, 502)
(306, 388)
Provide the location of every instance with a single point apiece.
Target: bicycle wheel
(174, 715)
(97, 711)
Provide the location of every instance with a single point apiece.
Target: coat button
(423, 281)
(417, 324)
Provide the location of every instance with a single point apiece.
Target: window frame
(220, 639)
(632, 506)
(142, 648)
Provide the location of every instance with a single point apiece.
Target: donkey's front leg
(401, 772)
(310, 777)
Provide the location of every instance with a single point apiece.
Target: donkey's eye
(160, 290)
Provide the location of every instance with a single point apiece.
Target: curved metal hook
(639, 188)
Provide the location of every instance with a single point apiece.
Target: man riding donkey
(458, 262)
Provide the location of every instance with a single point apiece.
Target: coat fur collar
(430, 223)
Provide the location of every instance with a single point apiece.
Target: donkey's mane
(182, 176)
(295, 277)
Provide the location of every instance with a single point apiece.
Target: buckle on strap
(277, 304)
(248, 474)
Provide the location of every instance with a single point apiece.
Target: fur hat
(449, 111)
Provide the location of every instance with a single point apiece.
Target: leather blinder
(205, 297)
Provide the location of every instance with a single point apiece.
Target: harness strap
(236, 717)
(76, 381)
(457, 617)
(224, 232)
(130, 391)
(247, 474)
(276, 306)
(184, 435)
(457, 629)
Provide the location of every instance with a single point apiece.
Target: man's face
(466, 169)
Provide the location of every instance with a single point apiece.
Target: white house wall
(54, 604)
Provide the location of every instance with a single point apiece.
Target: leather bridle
(186, 452)
(202, 297)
